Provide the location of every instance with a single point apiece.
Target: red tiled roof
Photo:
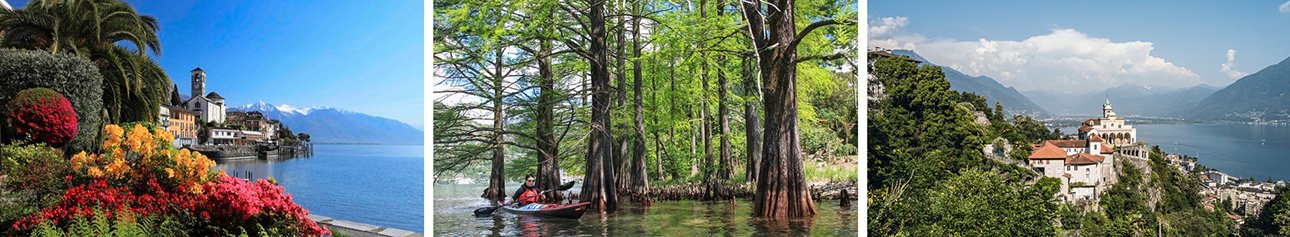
(1085, 128)
(1083, 159)
(1047, 151)
(1095, 138)
(1091, 122)
(1107, 150)
(1069, 143)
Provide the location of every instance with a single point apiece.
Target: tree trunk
(621, 160)
(640, 182)
(704, 130)
(781, 185)
(548, 149)
(752, 125)
(598, 186)
(497, 178)
(725, 165)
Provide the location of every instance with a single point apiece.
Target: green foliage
(122, 224)
(918, 132)
(844, 172)
(927, 175)
(974, 203)
(76, 78)
(34, 179)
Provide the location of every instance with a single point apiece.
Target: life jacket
(529, 196)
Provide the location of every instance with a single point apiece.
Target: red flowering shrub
(81, 201)
(233, 201)
(44, 115)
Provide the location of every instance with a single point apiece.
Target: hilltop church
(1087, 166)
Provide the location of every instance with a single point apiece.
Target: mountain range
(1013, 101)
(1259, 97)
(331, 125)
(1127, 100)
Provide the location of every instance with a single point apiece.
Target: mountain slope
(1013, 102)
(330, 125)
(1259, 97)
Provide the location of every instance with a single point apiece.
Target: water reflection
(454, 205)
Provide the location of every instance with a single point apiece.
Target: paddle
(484, 211)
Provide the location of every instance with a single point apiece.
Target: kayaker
(527, 193)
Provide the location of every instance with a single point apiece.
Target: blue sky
(1090, 45)
(353, 55)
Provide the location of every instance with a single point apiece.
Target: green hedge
(75, 77)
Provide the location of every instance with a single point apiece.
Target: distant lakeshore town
(1087, 166)
(201, 121)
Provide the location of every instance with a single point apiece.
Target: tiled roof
(1107, 150)
(1095, 138)
(1047, 151)
(1069, 143)
(1083, 159)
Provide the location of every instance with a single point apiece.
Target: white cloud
(1229, 68)
(1063, 60)
(886, 25)
(1285, 7)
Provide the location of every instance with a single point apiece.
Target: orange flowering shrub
(137, 154)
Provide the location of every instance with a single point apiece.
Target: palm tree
(109, 33)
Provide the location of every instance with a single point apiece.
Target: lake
(1241, 150)
(375, 184)
(455, 203)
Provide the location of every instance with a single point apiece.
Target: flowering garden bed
(140, 185)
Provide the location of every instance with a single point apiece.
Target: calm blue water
(374, 184)
(1241, 150)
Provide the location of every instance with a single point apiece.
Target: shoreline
(357, 229)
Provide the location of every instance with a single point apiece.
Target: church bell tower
(199, 82)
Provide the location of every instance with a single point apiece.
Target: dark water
(454, 205)
(1241, 150)
(374, 184)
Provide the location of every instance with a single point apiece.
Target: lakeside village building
(1087, 166)
(191, 117)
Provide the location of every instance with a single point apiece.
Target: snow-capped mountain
(331, 125)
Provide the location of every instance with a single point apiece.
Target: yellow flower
(95, 172)
(117, 168)
(117, 153)
(170, 173)
(79, 160)
(164, 136)
(138, 139)
(113, 134)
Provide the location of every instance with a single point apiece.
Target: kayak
(573, 211)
